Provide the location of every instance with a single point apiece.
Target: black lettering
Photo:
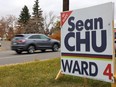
(84, 67)
(103, 41)
(66, 65)
(70, 22)
(79, 25)
(89, 24)
(76, 68)
(98, 22)
(85, 41)
(70, 48)
(91, 66)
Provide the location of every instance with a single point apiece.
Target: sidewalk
(2, 49)
(5, 45)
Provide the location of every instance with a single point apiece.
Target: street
(10, 57)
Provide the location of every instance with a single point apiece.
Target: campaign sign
(87, 42)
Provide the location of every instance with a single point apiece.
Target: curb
(25, 62)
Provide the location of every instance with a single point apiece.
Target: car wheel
(55, 47)
(43, 50)
(18, 51)
(31, 49)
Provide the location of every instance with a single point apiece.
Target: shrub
(56, 35)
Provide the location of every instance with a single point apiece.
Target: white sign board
(87, 42)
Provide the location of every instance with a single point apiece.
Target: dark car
(0, 44)
(32, 42)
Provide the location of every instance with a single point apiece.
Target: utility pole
(65, 5)
(65, 8)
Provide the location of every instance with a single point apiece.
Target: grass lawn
(41, 74)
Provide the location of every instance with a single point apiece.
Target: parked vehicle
(0, 44)
(115, 39)
(32, 42)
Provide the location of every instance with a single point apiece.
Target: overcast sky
(14, 7)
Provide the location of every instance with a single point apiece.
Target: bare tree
(49, 20)
(7, 25)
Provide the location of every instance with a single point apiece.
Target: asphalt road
(10, 57)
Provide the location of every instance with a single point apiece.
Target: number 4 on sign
(108, 71)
